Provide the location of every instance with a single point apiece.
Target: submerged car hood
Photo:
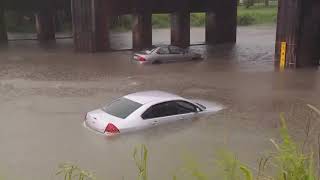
(210, 106)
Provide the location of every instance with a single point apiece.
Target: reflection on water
(45, 91)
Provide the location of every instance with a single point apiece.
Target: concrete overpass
(91, 17)
(298, 25)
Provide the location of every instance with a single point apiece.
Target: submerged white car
(144, 110)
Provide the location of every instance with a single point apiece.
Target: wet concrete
(45, 91)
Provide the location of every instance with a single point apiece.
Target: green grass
(160, 21)
(260, 14)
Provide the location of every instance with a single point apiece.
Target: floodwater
(46, 89)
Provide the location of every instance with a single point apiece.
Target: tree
(248, 3)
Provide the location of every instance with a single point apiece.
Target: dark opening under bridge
(298, 25)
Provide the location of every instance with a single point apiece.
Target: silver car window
(170, 108)
(161, 110)
(121, 108)
(149, 51)
(176, 50)
(163, 50)
(185, 107)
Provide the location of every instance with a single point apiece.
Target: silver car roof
(145, 97)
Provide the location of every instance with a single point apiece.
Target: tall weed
(289, 161)
(73, 172)
(141, 161)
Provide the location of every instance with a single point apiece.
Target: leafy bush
(198, 19)
(246, 20)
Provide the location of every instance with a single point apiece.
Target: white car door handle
(154, 122)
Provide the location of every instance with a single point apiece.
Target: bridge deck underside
(160, 6)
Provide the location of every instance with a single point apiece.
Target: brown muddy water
(45, 91)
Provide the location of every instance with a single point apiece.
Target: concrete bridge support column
(180, 29)
(142, 30)
(221, 22)
(288, 31)
(90, 19)
(45, 25)
(297, 42)
(3, 28)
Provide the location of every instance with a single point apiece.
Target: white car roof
(145, 97)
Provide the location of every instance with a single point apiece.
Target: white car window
(121, 108)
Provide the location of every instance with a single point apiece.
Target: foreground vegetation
(289, 162)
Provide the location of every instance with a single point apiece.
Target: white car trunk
(98, 120)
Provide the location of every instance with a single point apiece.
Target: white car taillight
(141, 59)
(111, 129)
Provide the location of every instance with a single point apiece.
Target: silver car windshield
(147, 51)
(121, 108)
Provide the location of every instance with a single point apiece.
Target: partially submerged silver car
(144, 110)
(165, 54)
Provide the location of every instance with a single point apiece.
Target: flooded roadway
(45, 91)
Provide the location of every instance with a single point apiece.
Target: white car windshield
(121, 108)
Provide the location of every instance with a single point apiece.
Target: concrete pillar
(45, 25)
(3, 28)
(211, 28)
(142, 30)
(90, 19)
(288, 31)
(180, 29)
(221, 22)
